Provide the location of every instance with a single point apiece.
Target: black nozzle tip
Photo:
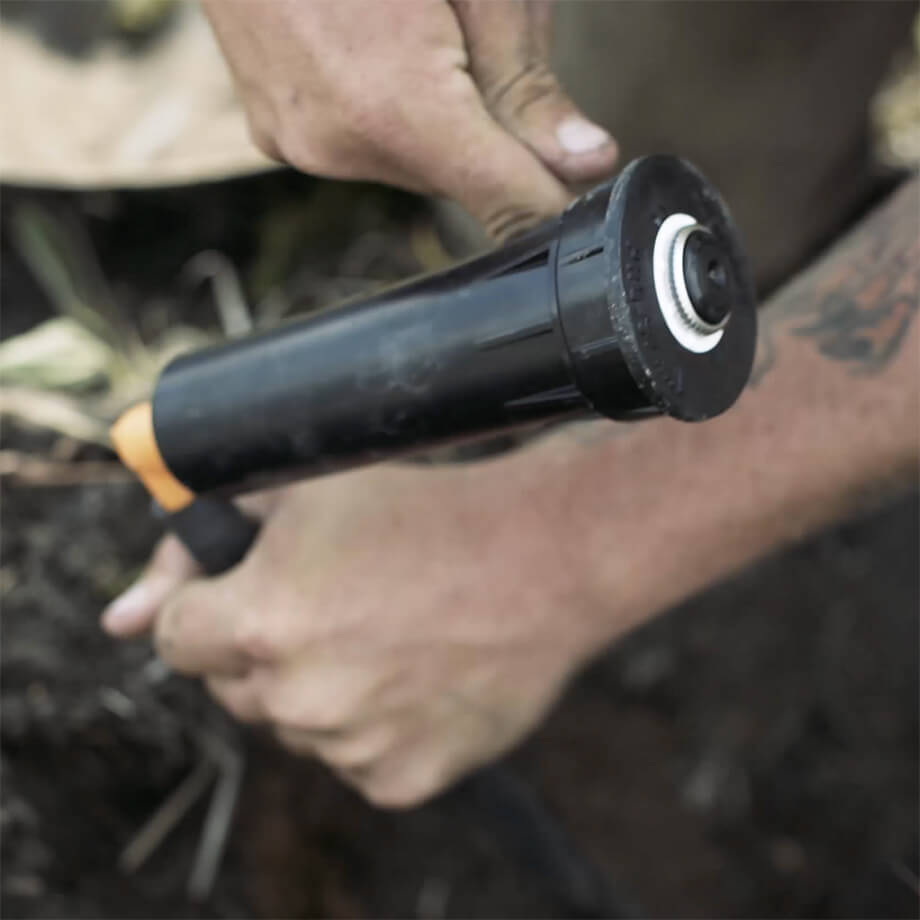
(689, 351)
(709, 278)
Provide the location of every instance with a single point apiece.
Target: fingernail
(578, 135)
(129, 611)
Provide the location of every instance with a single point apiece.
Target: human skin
(446, 98)
(405, 624)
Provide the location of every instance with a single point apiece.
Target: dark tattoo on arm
(858, 302)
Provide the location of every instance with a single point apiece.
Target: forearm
(832, 412)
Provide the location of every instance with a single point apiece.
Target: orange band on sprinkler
(136, 444)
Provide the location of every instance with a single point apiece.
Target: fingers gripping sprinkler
(636, 302)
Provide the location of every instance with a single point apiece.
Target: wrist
(592, 508)
(645, 512)
(641, 517)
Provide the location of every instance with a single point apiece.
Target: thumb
(508, 46)
(463, 154)
(171, 565)
(133, 612)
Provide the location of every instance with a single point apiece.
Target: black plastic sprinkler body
(637, 301)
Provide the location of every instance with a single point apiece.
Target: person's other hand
(444, 97)
(401, 624)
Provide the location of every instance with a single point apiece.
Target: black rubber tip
(710, 281)
(215, 532)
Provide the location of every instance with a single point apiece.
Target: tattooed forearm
(858, 302)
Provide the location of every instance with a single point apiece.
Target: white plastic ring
(685, 324)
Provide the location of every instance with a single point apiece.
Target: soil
(753, 753)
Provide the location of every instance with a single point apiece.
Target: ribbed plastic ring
(685, 324)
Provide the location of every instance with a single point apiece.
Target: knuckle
(241, 711)
(235, 700)
(323, 702)
(294, 740)
(402, 789)
(283, 711)
(357, 133)
(252, 639)
(164, 634)
(327, 714)
(520, 89)
(371, 122)
(298, 711)
(331, 153)
(261, 126)
(348, 759)
(306, 158)
(389, 796)
(396, 796)
(264, 141)
(356, 752)
(507, 222)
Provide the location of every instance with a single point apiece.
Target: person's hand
(448, 98)
(401, 624)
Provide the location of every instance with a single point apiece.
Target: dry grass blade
(234, 313)
(58, 354)
(428, 249)
(63, 262)
(54, 411)
(140, 15)
(219, 819)
(166, 817)
(895, 111)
